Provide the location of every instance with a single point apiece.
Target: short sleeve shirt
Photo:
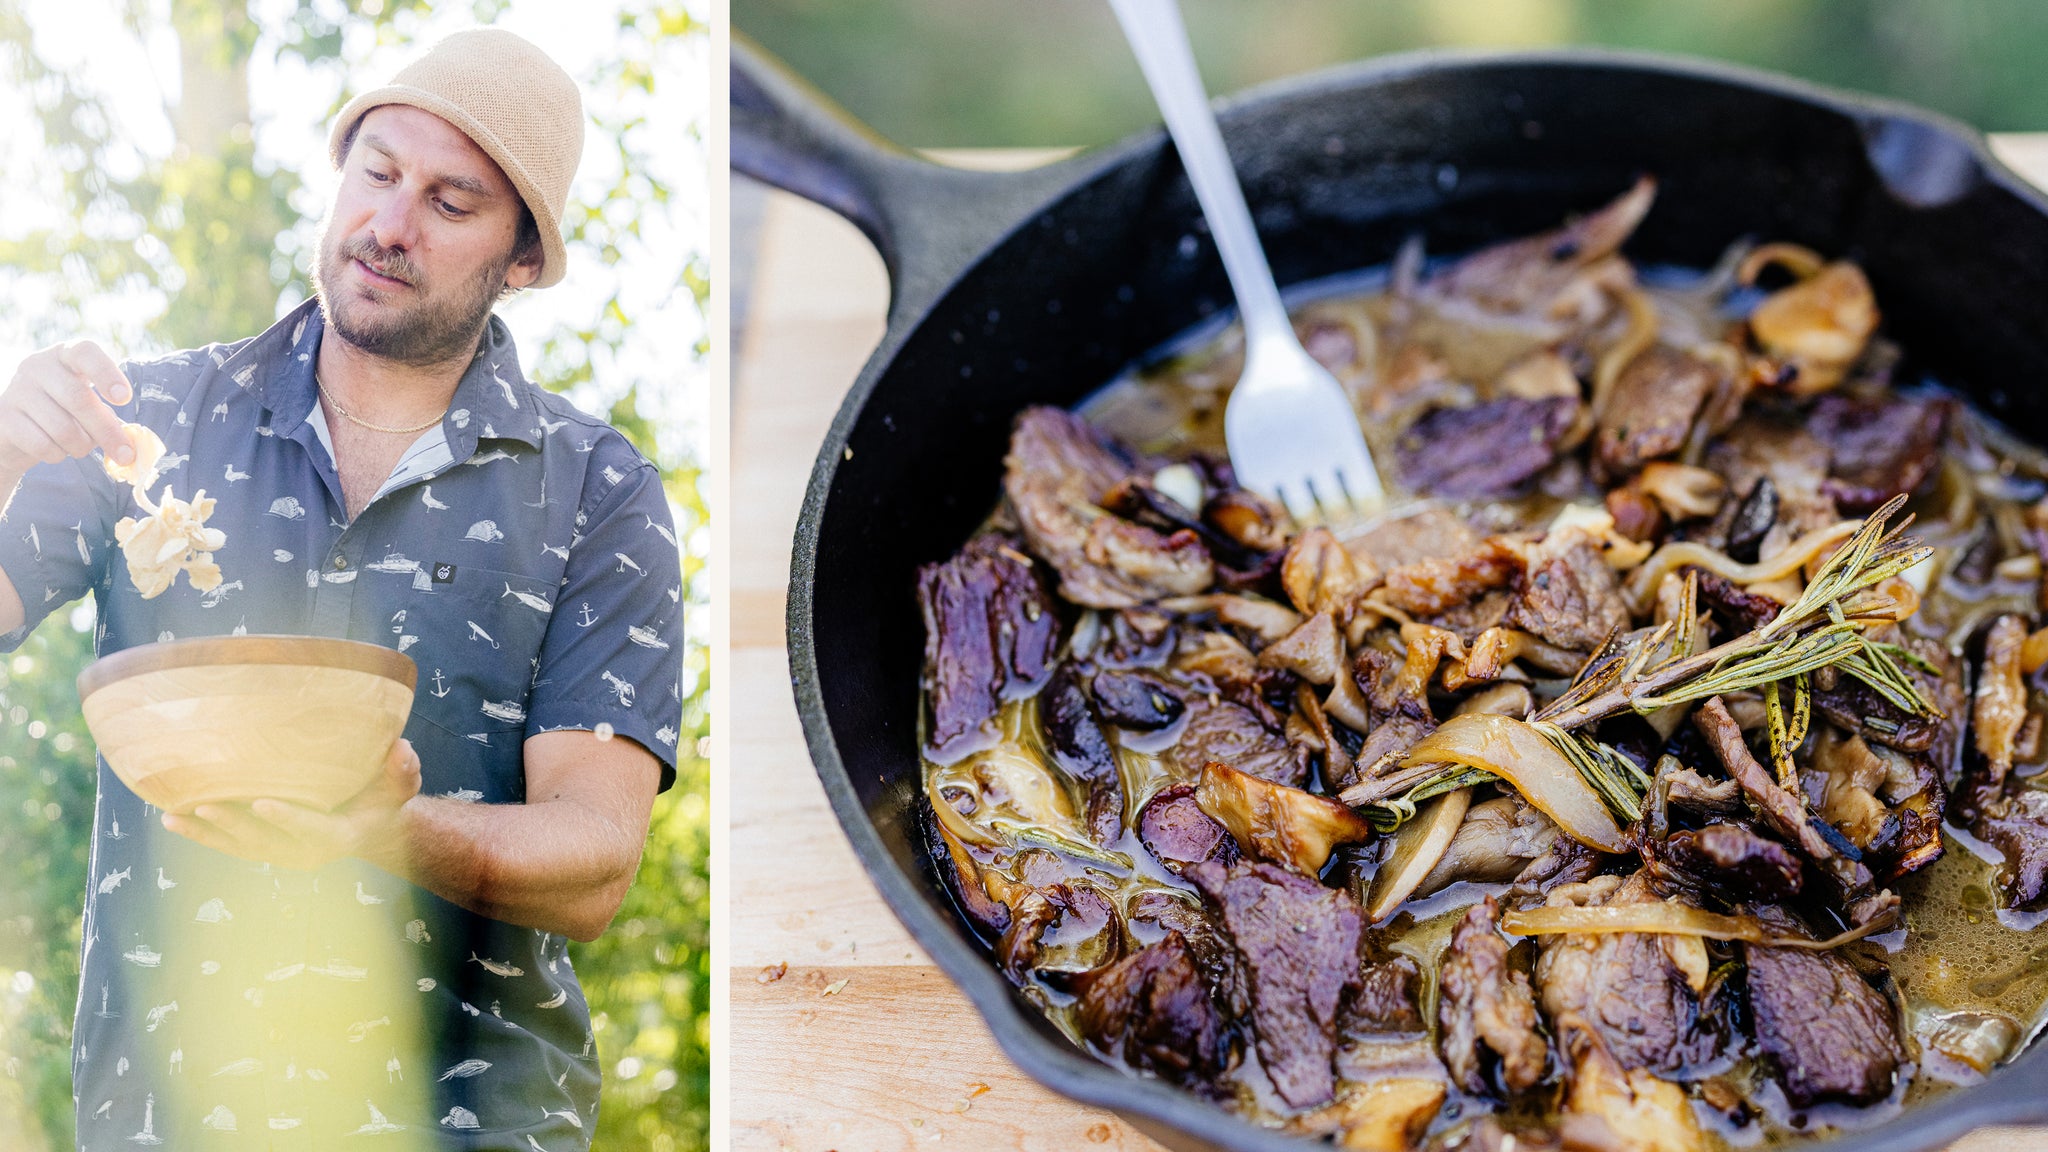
(528, 565)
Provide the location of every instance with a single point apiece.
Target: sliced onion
(1668, 919)
(1642, 585)
(1521, 755)
(1418, 845)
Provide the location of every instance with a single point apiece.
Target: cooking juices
(1632, 779)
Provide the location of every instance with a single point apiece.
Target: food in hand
(172, 536)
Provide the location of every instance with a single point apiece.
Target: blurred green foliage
(210, 215)
(1056, 72)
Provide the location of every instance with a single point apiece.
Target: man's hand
(56, 408)
(292, 836)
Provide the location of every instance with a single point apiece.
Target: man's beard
(419, 335)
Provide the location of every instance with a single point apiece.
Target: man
(264, 975)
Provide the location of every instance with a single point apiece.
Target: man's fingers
(98, 369)
(59, 424)
(204, 833)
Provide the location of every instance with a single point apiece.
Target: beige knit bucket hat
(514, 102)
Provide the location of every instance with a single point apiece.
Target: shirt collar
(493, 400)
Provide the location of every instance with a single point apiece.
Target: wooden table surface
(861, 1045)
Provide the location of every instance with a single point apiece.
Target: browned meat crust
(1437, 585)
(1486, 1007)
(1485, 450)
(1785, 812)
(989, 632)
(1299, 944)
(1568, 596)
(1056, 476)
(1879, 448)
(2015, 821)
(1178, 833)
(1153, 1011)
(1218, 729)
(1655, 401)
(1528, 276)
(1830, 1034)
(1630, 988)
(1728, 860)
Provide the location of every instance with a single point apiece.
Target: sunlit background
(163, 171)
(960, 73)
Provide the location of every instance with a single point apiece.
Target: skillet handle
(929, 222)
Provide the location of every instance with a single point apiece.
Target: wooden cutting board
(842, 1036)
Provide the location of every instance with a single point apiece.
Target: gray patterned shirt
(526, 561)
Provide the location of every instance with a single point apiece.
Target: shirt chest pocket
(476, 635)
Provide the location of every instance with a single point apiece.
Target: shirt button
(340, 562)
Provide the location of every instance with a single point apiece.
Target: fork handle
(1160, 41)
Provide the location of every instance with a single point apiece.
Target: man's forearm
(553, 865)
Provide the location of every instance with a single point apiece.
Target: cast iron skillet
(1036, 288)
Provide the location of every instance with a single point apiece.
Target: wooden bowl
(240, 718)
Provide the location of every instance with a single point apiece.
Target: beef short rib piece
(1831, 1035)
(989, 632)
(1299, 943)
(1486, 1006)
(1486, 450)
(1153, 1011)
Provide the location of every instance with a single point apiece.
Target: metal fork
(1292, 432)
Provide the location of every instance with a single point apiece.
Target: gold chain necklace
(358, 420)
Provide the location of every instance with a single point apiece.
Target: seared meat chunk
(1485, 1007)
(1879, 448)
(990, 633)
(1437, 585)
(1795, 461)
(1655, 401)
(1175, 830)
(1058, 472)
(1785, 812)
(1729, 860)
(2014, 820)
(1830, 1034)
(1735, 608)
(1224, 730)
(1299, 944)
(1389, 998)
(1155, 912)
(1153, 1011)
(1082, 751)
(1568, 596)
(1483, 451)
(1543, 276)
(1638, 991)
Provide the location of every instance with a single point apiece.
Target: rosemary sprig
(1390, 812)
(1824, 627)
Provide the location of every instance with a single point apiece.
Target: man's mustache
(391, 262)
